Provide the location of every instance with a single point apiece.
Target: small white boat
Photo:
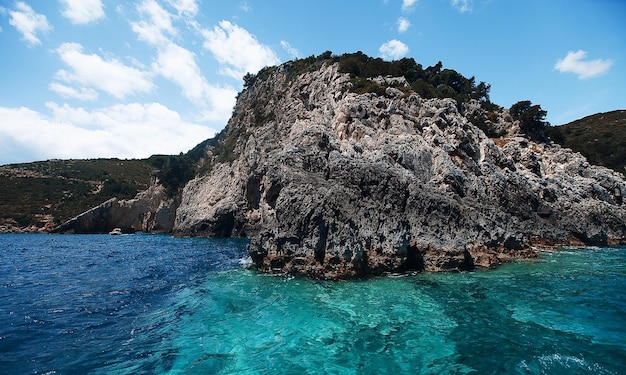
(116, 232)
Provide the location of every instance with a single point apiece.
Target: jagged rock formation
(150, 211)
(333, 184)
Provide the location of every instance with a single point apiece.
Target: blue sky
(132, 78)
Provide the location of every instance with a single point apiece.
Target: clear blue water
(153, 304)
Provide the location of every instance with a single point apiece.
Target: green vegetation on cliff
(48, 193)
(431, 82)
(173, 171)
(531, 119)
(601, 138)
(54, 191)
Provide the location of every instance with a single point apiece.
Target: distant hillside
(43, 194)
(601, 138)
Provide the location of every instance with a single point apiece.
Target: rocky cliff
(150, 211)
(333, 182)
(330, 183)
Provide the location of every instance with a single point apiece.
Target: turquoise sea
(153, 304)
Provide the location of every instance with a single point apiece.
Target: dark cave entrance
(414, 259)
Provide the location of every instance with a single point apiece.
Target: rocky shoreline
(333, 184)
(340, 185)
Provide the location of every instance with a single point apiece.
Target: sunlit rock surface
(333, 184)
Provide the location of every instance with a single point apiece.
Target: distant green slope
(600, 137)
(65, 188)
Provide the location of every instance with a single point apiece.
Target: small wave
(559, 363)
(245, 262)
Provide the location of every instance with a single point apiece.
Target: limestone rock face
(333, 184)
(150, 211)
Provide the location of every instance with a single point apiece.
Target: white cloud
(28, 23)
(222, 101)
(408, 4)
(178, 65)
(393, 49)
(245, 7)
(157, 27)
(82, 11)
(109, 75)
(125, 131)
(290, 50)
(462, 6)
(187, 8)
(575, 63)
(237, 50)
(82, 93)
(403, 24)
